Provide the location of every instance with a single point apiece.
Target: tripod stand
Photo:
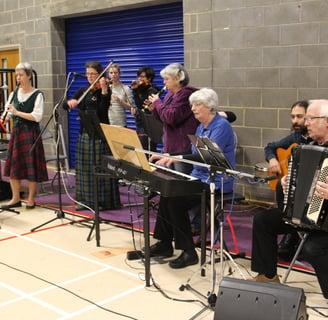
(217, 163)
(91, 123)
(223, 253)
(59, 213)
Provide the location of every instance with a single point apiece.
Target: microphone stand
(59, 213)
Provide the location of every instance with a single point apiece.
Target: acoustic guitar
(282, 157)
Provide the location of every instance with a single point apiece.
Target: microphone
(266, 179)
(79, 75)
(269, 178)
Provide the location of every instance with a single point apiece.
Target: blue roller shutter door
(150, 36)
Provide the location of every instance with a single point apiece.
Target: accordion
(302, 207)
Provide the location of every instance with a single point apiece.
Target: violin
(94, 83)
(141, 85)
(97, 85)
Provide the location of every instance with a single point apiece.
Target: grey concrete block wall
(259, 55)
(267, 54)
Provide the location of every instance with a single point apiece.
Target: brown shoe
(263, 278)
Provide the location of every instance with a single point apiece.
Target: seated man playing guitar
(277, 154)
(298, 136)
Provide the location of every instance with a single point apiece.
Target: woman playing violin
(89, 151)
(121, 99)
(141, 89)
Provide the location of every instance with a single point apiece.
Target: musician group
(185, 110)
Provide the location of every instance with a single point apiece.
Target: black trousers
(173, 222)
(267, 224)
(315, 251)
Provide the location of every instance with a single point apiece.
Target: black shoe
(186, 258)
(30, 207)
(161, 249)
(9, 206)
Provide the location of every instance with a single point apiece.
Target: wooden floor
(55, 273)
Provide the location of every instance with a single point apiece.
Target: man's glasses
(310, 119)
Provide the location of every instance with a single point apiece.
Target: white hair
(323, 106)
(176, 69)
(206, 96)
(27, 67)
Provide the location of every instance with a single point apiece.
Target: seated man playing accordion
(268, 224)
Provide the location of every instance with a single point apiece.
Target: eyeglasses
(88, 74)
(310, 119)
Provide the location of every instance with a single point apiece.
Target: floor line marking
(36, 300)
(101, 303)
(54, 286)
(71, 254)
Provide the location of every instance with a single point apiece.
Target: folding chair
(303, 235)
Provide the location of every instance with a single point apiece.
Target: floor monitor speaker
(249, 300)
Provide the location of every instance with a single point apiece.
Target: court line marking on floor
(55, 286)
(40, 243)
(101, 303)
(35, 300)
(53, 308)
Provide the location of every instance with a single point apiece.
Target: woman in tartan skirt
(90, 149)
(25, 105)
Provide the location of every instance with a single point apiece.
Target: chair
(303, 235)
(235, 137)
(47, 136)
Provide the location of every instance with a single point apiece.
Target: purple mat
(237, 235)
(132, 214)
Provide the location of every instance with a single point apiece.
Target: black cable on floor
(69, 291)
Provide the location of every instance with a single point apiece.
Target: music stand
(153, 127)
(91, 123)
(118, 138)
(212, 155)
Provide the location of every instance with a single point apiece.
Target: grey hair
(176, 69)
(206, 96)
(27, 67)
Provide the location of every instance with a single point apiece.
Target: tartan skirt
(87, 159)
(21, 162)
